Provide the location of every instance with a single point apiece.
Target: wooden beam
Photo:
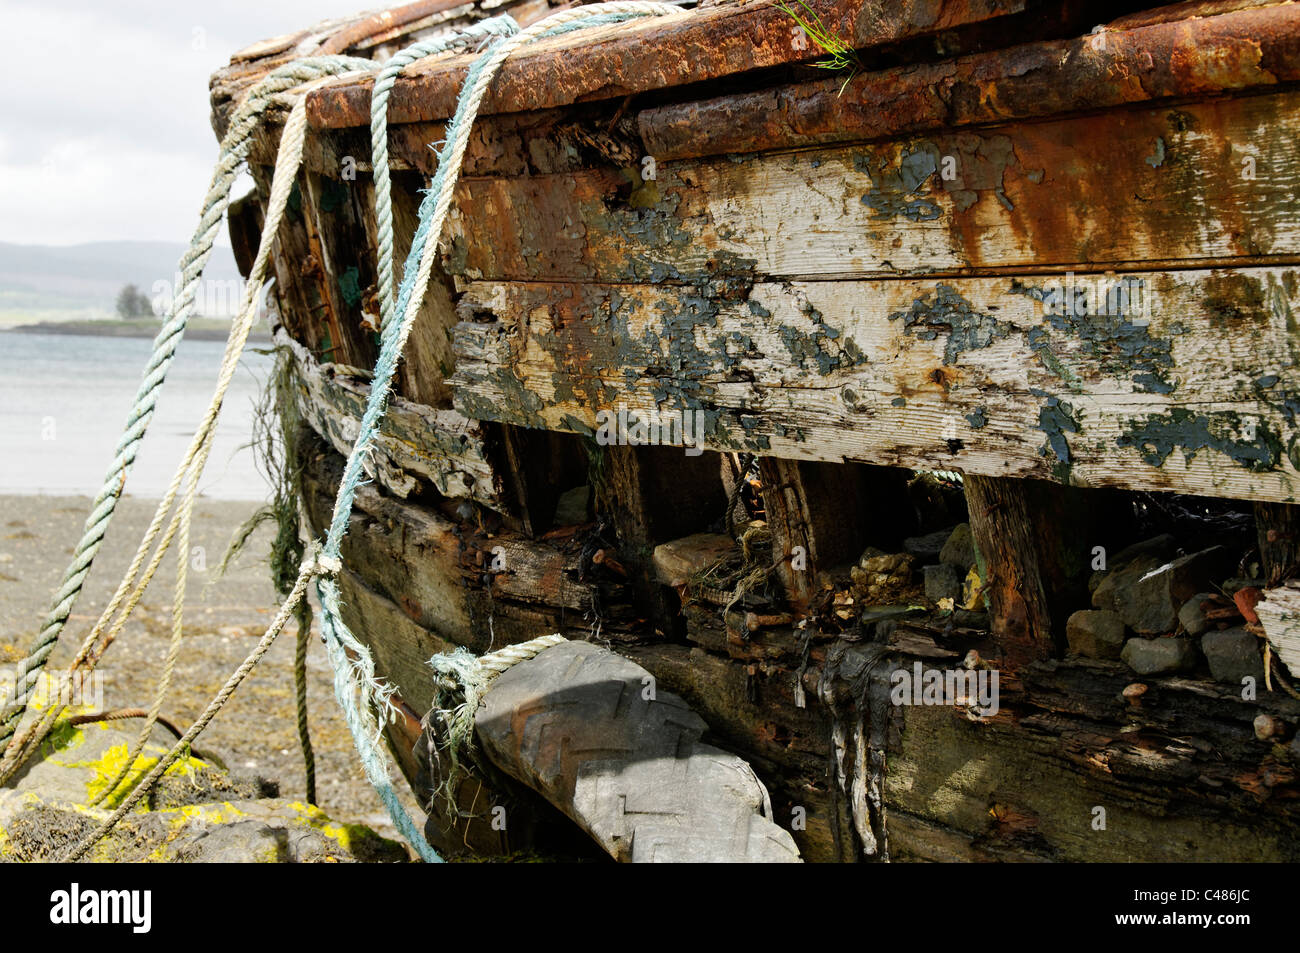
(830, 513)
(648, 54)
(1213, 180)
(441, 447)
(1190, 386)
(444, 572)
(1182, 58)
(1033, 544)
(1278, 528)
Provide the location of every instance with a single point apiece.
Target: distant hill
(80, 282)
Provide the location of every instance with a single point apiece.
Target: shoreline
(256, 733)
(199, 329)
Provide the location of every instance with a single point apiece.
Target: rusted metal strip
(708, 44)
(1185, 58)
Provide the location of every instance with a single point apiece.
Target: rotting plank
(440, 570)
(1212, 180)
(439, 446)
(1197, 57)
(648, 54)
(1190, 385)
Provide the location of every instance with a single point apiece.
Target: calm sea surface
(64, 400)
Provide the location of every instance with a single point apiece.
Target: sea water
(64, 401)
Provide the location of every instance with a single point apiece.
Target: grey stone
(942, 582)
(1233, 654)
(1147, 590)
(1192, 617)
(1159, 656)
(927, 547)
(959, 550)
(1095, 633)
(573, 506)
(971, 618)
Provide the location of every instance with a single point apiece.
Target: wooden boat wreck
(981, 356)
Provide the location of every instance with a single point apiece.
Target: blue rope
(348, 655)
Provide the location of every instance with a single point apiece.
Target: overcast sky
(104, 130)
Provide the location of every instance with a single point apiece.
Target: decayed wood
(1022, 784)
(609, 62)
(1278, 527)
(822, 515)
(653, 495)
(1190, 389)
(439, 446)
(333, 215)
(469, 584)
(1033, 546)
(1178, 59)
(1212, 180)
(301, 303)
(539, 466)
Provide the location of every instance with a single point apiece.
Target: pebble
(1192, 617)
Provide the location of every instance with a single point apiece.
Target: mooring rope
(461, 679)
(191, 467)
(234, 150)
(503, 25)
(126, 598)
(354, 674)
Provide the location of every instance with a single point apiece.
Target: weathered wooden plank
(1279, 613)
(1189, 385)
(1213, 180)
(649, 54)
(1196, 57)
(1033, 554)
(440, 446)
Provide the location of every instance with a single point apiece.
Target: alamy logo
(640, 428)
(977, 688)
(75, 906)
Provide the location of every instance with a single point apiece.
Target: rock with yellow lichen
(196, 813)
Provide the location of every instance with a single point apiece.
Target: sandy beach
(255, 734)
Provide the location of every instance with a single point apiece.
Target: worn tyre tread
(574, 724)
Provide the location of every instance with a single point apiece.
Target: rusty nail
(754, 621)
